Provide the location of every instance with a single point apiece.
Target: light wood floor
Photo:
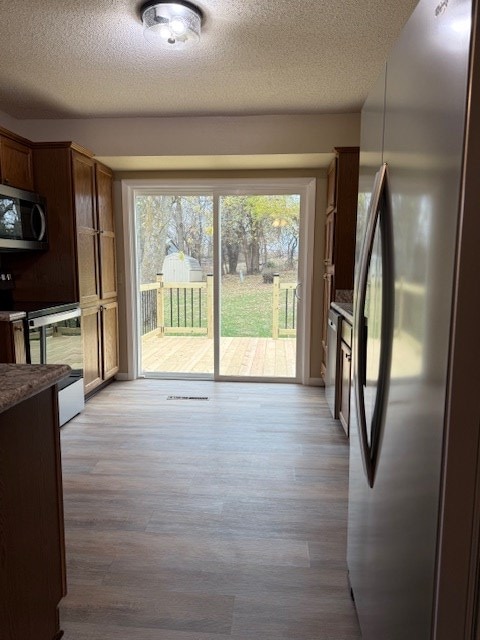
(262, 357)
(218, 519)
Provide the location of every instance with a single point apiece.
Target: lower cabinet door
(12, 342)
(327, 295)
(32, 547)
(109, 339)
(92, 367)
(344, 376)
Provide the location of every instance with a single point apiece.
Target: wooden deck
(260, 357)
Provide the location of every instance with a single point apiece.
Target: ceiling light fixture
(174, 24)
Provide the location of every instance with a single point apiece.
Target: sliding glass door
(259, 284)
(218, 282)
(174, 233)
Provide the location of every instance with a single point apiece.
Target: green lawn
(246, 307)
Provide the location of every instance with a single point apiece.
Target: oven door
(57, 339)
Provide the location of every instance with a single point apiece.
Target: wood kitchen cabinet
(91, 331)
(100, 339)
(109, 324)
(16, 167)
(340, 229)
(80, 265)
(106, 311)
(86, 223)
(12, 342)
(32, 547)
(106, 228)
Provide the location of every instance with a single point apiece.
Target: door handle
(37, 210)
(379, 214)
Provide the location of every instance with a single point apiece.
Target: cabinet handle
(101, 231)
(326, 261)
(348, 357)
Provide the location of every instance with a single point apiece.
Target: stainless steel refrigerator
(411, 190)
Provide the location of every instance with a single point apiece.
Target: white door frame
(306, 187)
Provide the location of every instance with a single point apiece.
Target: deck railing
(177, 308)
(186, 308)
(284, 308)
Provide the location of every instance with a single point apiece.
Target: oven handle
(54, 318)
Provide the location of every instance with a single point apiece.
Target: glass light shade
(178, 26)
(172, 24)
(162, 30)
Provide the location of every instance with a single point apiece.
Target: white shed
(177, 267)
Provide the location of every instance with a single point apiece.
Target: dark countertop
(21, 381)
(11, 316)
(345, 309)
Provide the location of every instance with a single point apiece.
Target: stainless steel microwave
(23, 223)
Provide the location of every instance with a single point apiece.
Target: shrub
(268, 271)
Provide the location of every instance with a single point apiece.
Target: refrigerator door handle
(379, 214)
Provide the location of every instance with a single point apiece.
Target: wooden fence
(186, 308)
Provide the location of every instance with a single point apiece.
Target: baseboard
(100, 387)
(311, 382)
(122, 377)
(315, 382)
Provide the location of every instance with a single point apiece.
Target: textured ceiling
(88, 58)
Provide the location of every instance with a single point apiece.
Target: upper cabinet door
(332, 185)
(16, 164)
(84, 191)
(329, 239)
(106, 225)
(104, 179)
(87, 231)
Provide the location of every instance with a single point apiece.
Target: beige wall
(240, 135)
(295, 136)
(317, 280)
(10, 123)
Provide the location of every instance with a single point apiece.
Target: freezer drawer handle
(379, 214)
